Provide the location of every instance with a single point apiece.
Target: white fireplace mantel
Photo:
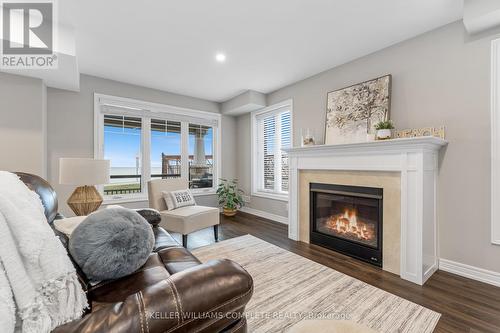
(416, 159)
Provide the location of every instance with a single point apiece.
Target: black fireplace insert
(347, 219)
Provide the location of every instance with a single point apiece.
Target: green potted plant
(230, 198)
(384, 130)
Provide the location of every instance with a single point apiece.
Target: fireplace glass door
(348, 217)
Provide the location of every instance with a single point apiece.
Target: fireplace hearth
(347, 219)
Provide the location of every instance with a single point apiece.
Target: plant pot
(384, 134)
(229, 211)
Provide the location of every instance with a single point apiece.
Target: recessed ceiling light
(220, 57)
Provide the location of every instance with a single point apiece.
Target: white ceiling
(171, 44)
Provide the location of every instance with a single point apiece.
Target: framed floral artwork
(352, 112)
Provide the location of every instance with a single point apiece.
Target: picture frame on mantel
(353, 111)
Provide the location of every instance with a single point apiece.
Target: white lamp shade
(83, 171)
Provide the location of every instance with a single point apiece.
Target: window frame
(257, 171)
(495, 141)
(147, 111)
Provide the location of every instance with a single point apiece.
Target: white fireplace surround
(416, 159)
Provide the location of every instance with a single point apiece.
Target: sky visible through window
(122, 145)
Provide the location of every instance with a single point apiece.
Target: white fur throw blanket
(39, 289)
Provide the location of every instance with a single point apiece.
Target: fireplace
(347, 219)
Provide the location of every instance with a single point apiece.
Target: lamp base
(85, 200)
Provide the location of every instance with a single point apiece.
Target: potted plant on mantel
(384, 130)
(230, 198)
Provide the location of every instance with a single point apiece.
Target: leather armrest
(210, 297)
(151, 215)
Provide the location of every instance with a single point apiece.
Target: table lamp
(84, 173)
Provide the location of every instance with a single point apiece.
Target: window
(166, 153)
(120, 132)
(272, 130)
(200, 156)
(147, 141)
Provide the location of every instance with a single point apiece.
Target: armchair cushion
(156, 186)
(189, 219)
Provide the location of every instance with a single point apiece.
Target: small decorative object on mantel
(352, 112)
(418, 132)
(307, 137)
(384, 130)
(229, 195)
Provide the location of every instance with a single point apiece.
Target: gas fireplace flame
(348, 223)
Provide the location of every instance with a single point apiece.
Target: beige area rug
(289, 288)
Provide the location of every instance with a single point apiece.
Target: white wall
(23, 120)
(229, 147)
(439, 78)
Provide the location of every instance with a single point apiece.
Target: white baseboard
(431, 270)
(266, 215)
(471, 272)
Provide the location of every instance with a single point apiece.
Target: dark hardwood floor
(465, 305)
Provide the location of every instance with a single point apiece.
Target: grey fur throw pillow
(111, 243)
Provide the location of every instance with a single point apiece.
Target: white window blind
(273, 135)
(158, 113)
(269, 130)
(286, 142)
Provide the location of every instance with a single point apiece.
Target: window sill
(202, 193)
(270, 195)
(112, 201)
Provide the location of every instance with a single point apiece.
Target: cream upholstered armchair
(183, 220)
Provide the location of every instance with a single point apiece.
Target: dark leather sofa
(172, 292)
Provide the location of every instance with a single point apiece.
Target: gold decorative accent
(230, 212)
(84, 200)
(418, 132)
